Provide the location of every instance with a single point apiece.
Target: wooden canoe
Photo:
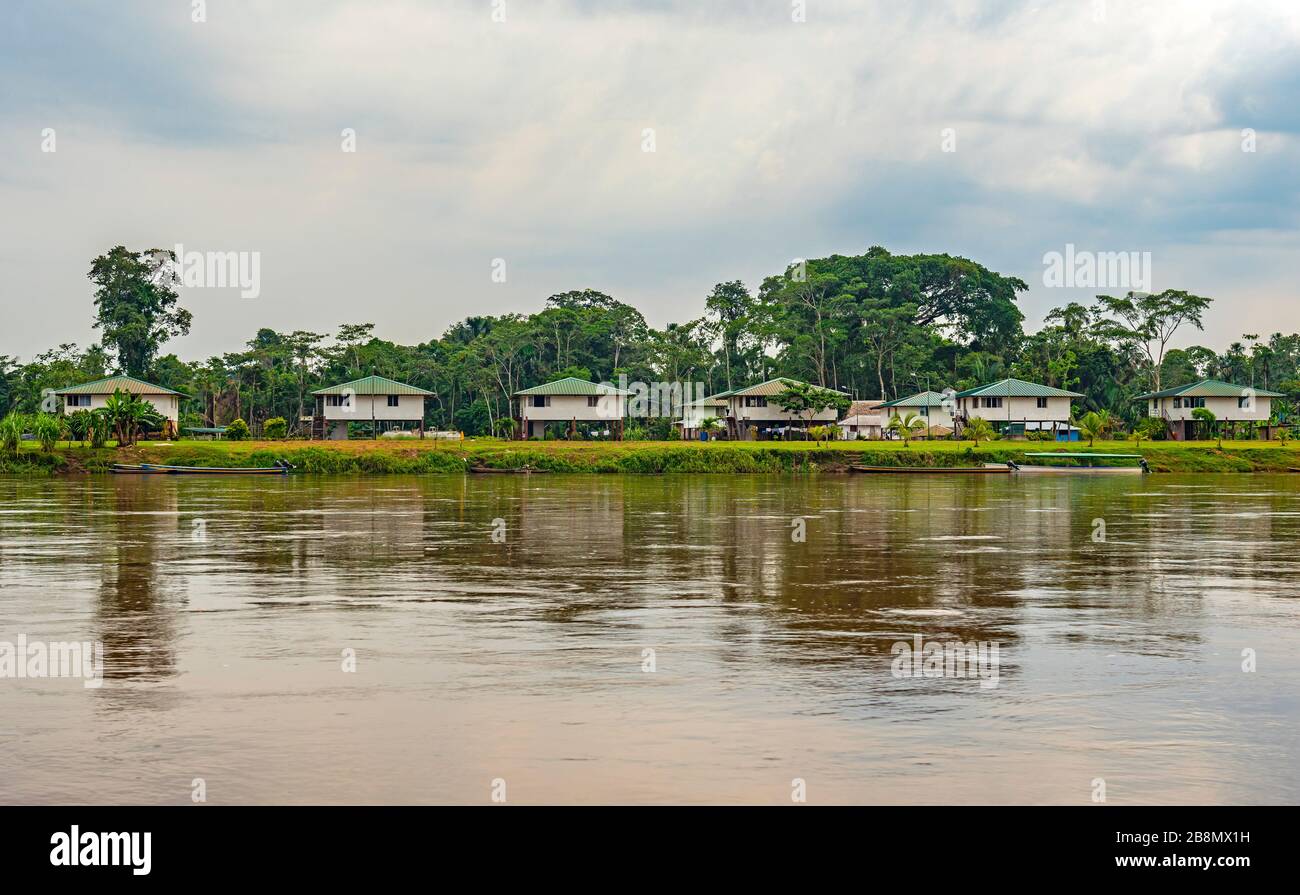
(161, 469)
(520, 470)
(933, 470)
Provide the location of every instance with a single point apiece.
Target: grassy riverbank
(632, 456)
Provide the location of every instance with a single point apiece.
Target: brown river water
(622, 639)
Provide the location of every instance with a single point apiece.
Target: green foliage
(237, 430)
(1210, 421)
(978, 429)
(275, 427)
(873, 325)
(98, 429)
(904, 427)
(806, 401)
(48, 429)
(128, 414)
(1093, 425)
(12, 428)
(1144, 323)
(135, 304)
(79, 423)
(1150, 428)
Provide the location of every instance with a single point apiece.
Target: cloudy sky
(1113, 126)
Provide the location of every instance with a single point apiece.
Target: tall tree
(1148, 322)
(352, 336)
(727, 308)
(136, 306)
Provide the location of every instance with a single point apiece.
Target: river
(676, 639)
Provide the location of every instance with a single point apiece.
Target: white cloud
(523, 140)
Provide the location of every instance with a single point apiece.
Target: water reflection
(505, 621)
(135, 616)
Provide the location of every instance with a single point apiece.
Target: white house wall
(773, 413)
(1019, 409)
(565, 408)
(694, 417)
(167, 405)
(1222, 408)
(368, 407)
(938, 416)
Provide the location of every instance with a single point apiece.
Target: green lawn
(429, 456)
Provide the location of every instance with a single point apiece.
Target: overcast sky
(1115, 129)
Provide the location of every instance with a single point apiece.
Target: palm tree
(1092, 425)
(128, 414)
(1106, 422)
(905, 427)
(979, 429)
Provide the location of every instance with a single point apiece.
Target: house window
(1243, 403)
(593, 401)
(1195, 402)
(392, 400)
(539, 401)
(1178, 403)
(76, 401)
(338, 400)
(755, 402)
(925, 411)
(1042, 404)
(992, 402)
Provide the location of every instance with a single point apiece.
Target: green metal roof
(372, 385)
(920, 399)
(771, 387)
(1209, 388)
(571, 385)
(112, 384)
(712, 400)
(1017, 388)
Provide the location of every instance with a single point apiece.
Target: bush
(98, 429)
(275, 427)
(47, 428)
(11, 431)
(237, 430)
(79, 423)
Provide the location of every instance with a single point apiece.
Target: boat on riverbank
(517, 470)
(280, 468)
(1087, 464)
(986, 469)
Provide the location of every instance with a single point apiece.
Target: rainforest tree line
(874, 325)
